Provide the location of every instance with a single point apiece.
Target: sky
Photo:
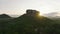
(19, 7)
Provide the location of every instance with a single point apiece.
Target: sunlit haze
(18, 7)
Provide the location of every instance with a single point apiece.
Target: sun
(40, 13)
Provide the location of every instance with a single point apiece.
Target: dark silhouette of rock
(31, 12)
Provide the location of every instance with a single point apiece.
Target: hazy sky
(19, 7)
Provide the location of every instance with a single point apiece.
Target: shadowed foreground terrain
(29, 23)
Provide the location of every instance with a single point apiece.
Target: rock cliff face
(30, 12)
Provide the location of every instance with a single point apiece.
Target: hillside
(32, 24)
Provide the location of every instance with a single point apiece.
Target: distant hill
(4, 16)
(53, 15)
(14, 16)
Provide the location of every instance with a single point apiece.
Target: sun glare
(40, 13)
